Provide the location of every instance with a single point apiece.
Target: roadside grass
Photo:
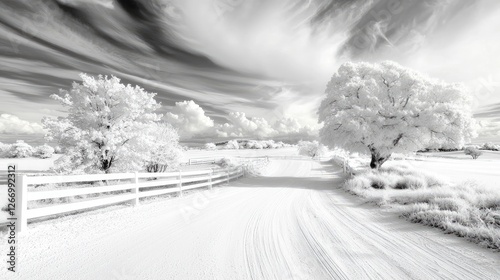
(466, 209)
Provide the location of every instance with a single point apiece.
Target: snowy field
(292, 223)
(458, 167)
(32, 164)
(290, 151)
(23, 164)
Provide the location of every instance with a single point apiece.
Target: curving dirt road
(292, 223)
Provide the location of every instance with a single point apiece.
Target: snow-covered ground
(31, 164)
(458, 167)
(292, 223)
(290, 151)
(40, 165)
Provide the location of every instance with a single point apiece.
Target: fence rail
(137, 185)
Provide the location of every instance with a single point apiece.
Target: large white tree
(105, 118)
(385, 108)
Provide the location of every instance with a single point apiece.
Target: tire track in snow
(366, 247)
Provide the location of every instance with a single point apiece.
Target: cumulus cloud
(258, 127)
(287, 126)
(189, 118)
(191, 121)
(10, 124)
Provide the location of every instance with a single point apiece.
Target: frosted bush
(210, 147)
(451, 204)
(232, 145)
(58, 150)
(411, 182)
(258, 146)
(280, 144)
(20, 149)
(311, 149)
(490, 146)
(255, 167)
(473, 152)
(160, 147)
(226, 162)
(44, 151)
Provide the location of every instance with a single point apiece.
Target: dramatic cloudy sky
(251, 67)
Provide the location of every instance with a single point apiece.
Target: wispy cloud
(268, 58)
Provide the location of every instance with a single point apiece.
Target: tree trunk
(105, 165)
(377, 158)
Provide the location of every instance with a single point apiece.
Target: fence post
(179, 185)
(22, 203)
(135, 190)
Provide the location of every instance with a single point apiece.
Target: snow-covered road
(292, 223)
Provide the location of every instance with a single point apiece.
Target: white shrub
(258, 146)
(210, 147)
(44, 151)
(20, 149)
(160, 147)
(280, 144)
(311, 149)
(58, 150)
(490, 146)
(473, 152)
(226, 162)
(232, 145)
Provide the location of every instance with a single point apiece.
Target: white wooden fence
(137, 187)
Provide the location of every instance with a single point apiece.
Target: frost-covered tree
(385, 108)
(252, 144)
(160, 145)
(210, 146)
(44, 151)
(20, 149)
(232, 145)
(57, 150)
(4, 150)
(473, 152)
(104, 116)
(311, 149)
(490, 146)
